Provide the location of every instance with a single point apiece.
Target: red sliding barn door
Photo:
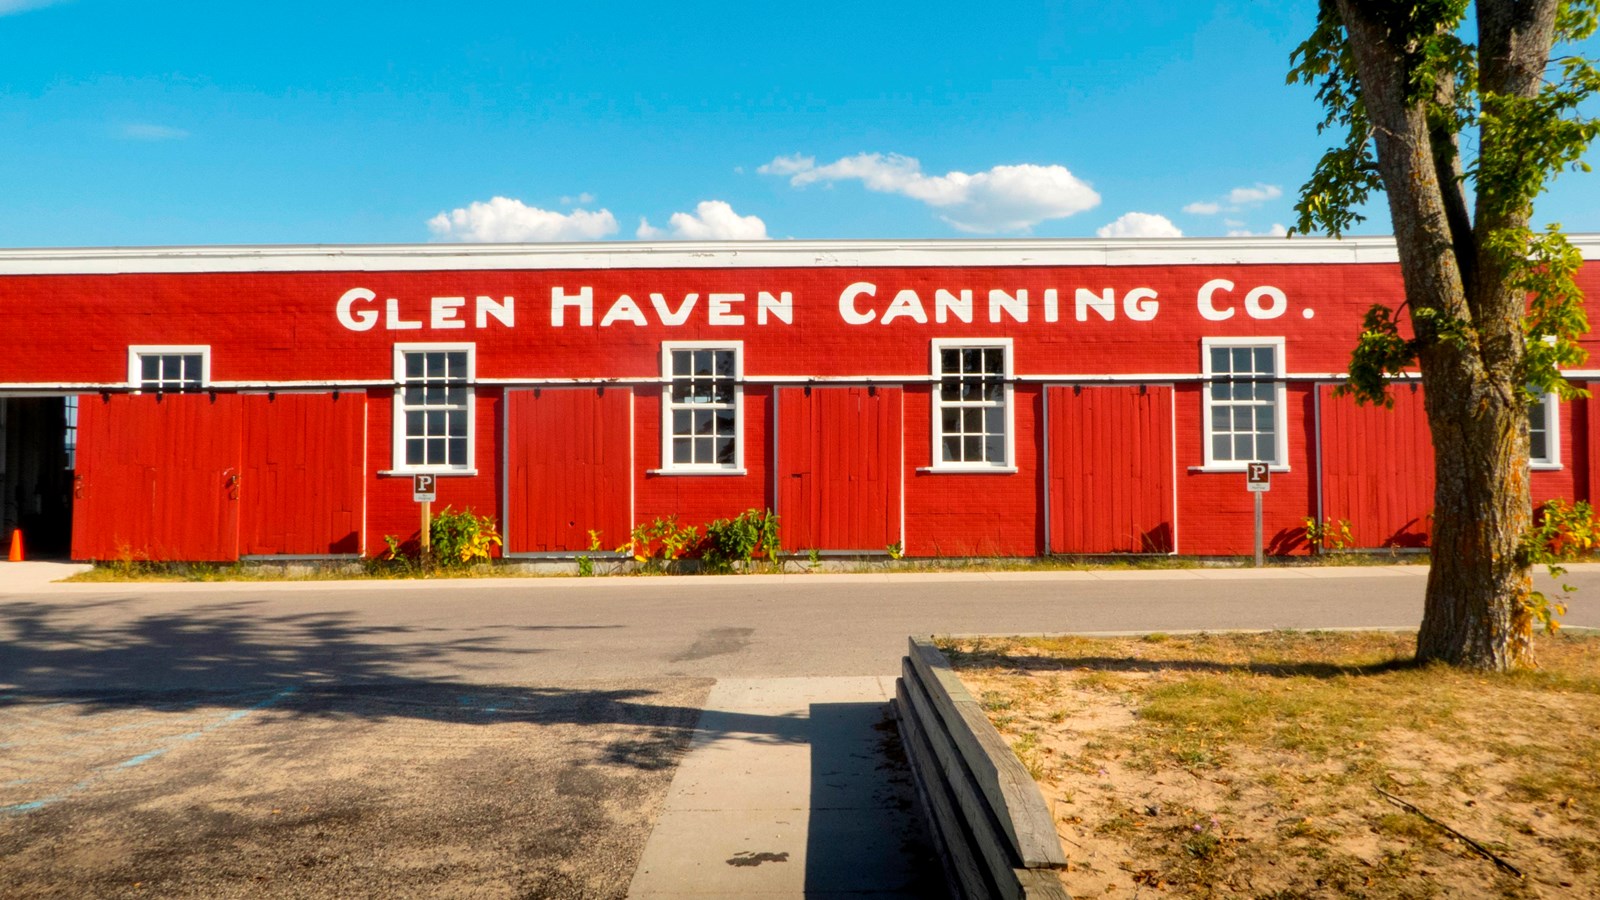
(569, 468)
(302, 492)
(157, 478)
(1377, 468)
(1111, 478)
(839, 461)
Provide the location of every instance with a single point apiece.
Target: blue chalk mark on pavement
(142, 758)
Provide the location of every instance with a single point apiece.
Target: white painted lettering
(1016, 306)
(781, 307)
(1052, 305)
(719, 309)
(356, 320)
(446, 312)
(1253, 305)
(669, 316)
(1208, 309)
(1104, 303)
(847, 303)
(908, 304)
(504, 312)
(1140, 304)
(392, 320)
(560, 300)
(946, 304)
(624, 308)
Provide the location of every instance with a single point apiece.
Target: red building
(954, 398)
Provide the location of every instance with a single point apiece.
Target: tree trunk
(1475, 614)
(1471, 347)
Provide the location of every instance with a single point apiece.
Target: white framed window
(433, 410)
(972, 409)
(169, 368)
(702, 421)
(1544, 433)
(69, 411)
(1244, 403)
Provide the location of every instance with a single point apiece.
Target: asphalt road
(529, 631)
(482, 738)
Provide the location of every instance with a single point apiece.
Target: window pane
(1221, 418)
(456, 396)
(458, 451)
(995, 448)
(1219, 360)
(682, 421)
(1264, 361)
(1538, 446)
(971, 361)
(972, 421)
(722, 392)
(458, 365)
(680, 450)
(435, 424)
(702, 362)
(681, 360)
(415, 423)
(433, 395)
(1265, 390)
(1220, 391)
(680, 392)
(1265, 418)
(435, 368)
(994, 421)
(971, 448)
(950, 420)
(149, 367)
(724, 363)
(1241, 360)
(950, 389)
(435, 451)
(1221, 447)
(414, 365)
(414, 452)
(458, 423)
(725, 422)
(949, 361)
(1536, 416)
(994, 389)
(702, 421)
(994, 361)
(704, 447)
(725, 451)
(1244, 447)
(952, 448)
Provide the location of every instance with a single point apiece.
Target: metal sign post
(1258, 480)
(424, 491)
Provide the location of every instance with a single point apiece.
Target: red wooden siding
(568, 468)
(1111, 480)
(839, 468)
(1377, 468)
(303, 489)
(156, 478)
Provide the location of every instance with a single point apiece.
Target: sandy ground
(374, 791)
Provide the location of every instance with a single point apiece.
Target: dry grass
(1249, 765)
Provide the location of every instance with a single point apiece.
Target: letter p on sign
(423, 488)
(1258, 477)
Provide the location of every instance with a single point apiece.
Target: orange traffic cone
(16, 545)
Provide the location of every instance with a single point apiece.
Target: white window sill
(1234, 469)
(442, 473)
(968, 470)
(697, 472)
(1545, 467)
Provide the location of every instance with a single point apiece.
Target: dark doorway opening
(37, 446)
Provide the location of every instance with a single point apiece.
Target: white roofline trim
(727, 254)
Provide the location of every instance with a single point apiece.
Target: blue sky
(141, 122)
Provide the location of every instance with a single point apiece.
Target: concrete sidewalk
(45, 577)
(792, 787)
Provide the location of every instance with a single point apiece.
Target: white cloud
(502, 219)
(1236, 200)
(148, 131)
(712, 220)
(1003, 198)
(1277, 230)
(1250, 196)
(1138, 224)
(10, 7)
